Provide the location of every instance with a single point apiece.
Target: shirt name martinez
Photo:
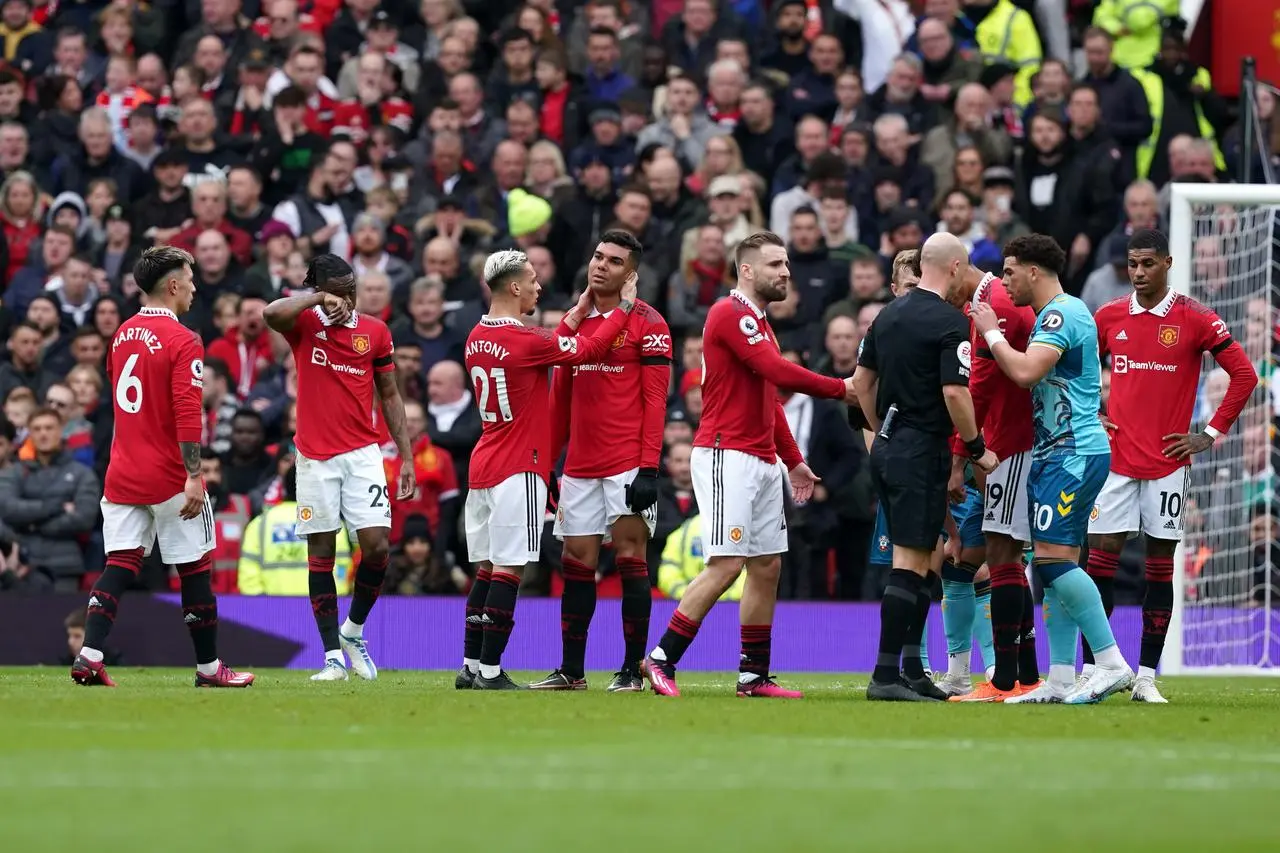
(146, 336)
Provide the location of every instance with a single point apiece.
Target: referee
(912, 384)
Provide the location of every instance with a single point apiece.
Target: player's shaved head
(331, 274)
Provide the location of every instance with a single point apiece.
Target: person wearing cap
(166, 210)
(369, 252)
(998, 189)
(528, 218)
(1135, 26)
(606, 144)
(725, 209)
(277, 244)
(1110, 280)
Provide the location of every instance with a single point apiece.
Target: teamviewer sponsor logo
(598, 368)
(320, 358)
(1124, 364)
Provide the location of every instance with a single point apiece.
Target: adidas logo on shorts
(1170, 525)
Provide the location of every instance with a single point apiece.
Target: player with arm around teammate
(344, 360)
(154, 490)
(1156, 339)
(507, 363)
(1069, 461)
(612, 414)
(742, 435)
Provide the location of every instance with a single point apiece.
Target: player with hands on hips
(344, 362)
(611, 413)
(507, 362)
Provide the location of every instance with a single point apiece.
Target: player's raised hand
(630, 288)
(193, 491)
(802, 482)
(988, 462)
(335, 308)
(1185, 444)
(984, 318)
(408, 482)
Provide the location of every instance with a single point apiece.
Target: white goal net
(1225, 240)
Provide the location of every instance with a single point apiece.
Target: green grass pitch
(407, 763)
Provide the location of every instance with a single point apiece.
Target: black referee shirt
(916, 345)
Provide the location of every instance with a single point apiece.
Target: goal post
(1225, 242)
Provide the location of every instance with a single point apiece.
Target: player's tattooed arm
(393, 411)
(190, 457)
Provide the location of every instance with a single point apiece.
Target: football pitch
(408, 763)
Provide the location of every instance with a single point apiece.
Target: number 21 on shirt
(491, 382)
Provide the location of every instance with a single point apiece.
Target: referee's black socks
(912, 663)
(898, 608)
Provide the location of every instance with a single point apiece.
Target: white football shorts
(590, 507)
(740, 498)
(350, 487)
(504, 523)
(182, 540)
(1005, 506)
(1153, 507)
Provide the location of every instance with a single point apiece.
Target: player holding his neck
(511, 465)
(1156, 339)
(153, 488)
(1069, 462)
(742, 434)
(1003, 413)
(341, 357)
(612, 416)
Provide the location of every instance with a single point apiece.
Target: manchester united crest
(360, 343)
(619, 340)
(1167, 336)
(1093, 514)
(304, 513)
(735, 535)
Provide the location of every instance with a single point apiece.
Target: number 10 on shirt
(492, 381)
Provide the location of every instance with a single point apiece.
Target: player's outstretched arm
(283, 313)
(762, 356)
(1024, 368)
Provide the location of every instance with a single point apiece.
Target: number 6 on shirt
(129, 388)
(483, 380)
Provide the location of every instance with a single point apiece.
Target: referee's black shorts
(910, 472)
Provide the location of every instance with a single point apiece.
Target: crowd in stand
(414, 138)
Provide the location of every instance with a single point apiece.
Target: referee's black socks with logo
(912, 662)
(898, 608)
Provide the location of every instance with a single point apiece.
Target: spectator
(967, 127)
(247, 465)
(901, 96)
(453, 421)
(706, 278)
(1007, 34)
(1110, 280)
(48, 501)
(21, 210)
(683, 129)
(23, 367)
(894, 151)
(246, 347)
(946, 69)
(209, 209)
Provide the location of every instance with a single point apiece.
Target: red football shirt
(156, 369)
(508, 364)
(612, 411)
(742, 369)
(336, 400)
(1002, 409)
(1155, 373)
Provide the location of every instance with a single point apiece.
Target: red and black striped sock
(1007, 581)
(637, 605)
(369, 577)
(1157, 609)
(756, 647)
(1102, 568)
(323, 590)
(104, 601)
(500, 616)
(577, 606)
(679, 634)
(200, 607)
(473, 640)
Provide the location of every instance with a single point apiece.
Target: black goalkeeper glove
(642, 492)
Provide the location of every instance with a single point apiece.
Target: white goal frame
(1184, 199)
